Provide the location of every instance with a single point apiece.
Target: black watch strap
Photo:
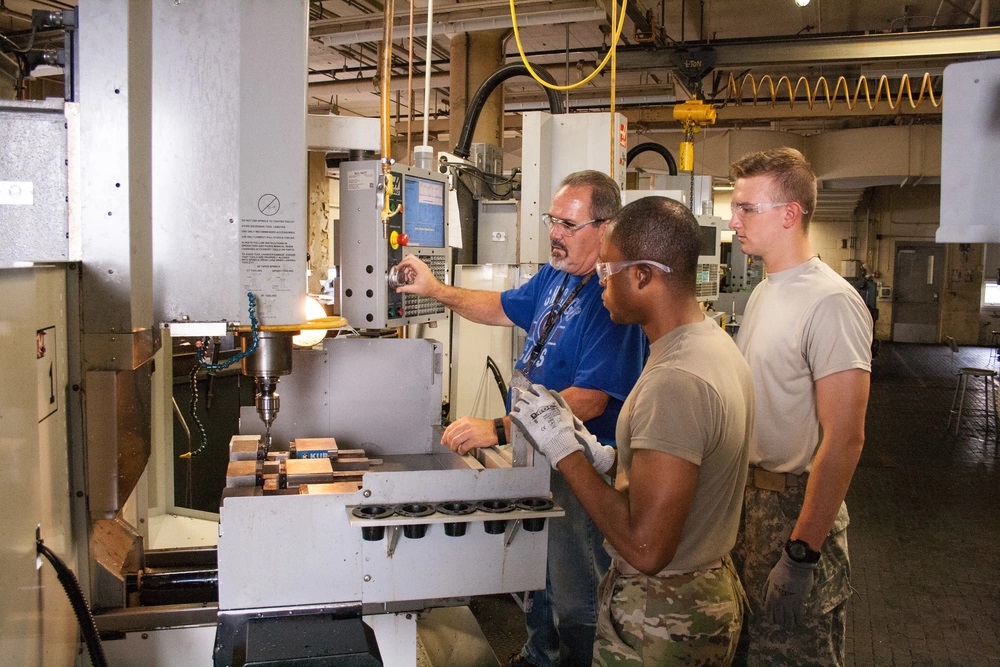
(501, 434)
(800, 552)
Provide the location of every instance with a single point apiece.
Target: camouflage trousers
(767, 521)
(686, 619)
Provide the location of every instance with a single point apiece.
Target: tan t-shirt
(801, 325)
(694, 400)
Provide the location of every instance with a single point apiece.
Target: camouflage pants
(688, 619)
(767, 521)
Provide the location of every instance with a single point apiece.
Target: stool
(994, 345)
(989, 388)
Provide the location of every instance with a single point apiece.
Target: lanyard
(552, 318)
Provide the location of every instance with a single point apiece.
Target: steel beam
(458, 18)
(662, 116)
(929, 45)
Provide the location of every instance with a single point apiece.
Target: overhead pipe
(462, 148)
(386, 75)
(655, 148)
(423, 155)
(427, 67)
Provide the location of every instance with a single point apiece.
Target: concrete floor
(925, 523)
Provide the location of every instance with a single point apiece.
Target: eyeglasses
(568, 227)
(607, 269)
(748, 209)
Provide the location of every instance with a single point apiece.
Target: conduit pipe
(462, 148)
(386, 73)
(655, 148)
(423, 155)
(427, 68)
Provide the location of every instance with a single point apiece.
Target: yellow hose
(734, 91)
(551, 86)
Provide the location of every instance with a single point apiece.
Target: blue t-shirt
(585, 348)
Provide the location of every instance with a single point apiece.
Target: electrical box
(35, 217)
(370, 248)
(488, 158)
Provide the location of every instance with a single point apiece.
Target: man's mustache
(558, 244)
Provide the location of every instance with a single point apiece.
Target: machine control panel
(370, 248)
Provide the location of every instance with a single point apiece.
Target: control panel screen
(423, 211)
(709, 245)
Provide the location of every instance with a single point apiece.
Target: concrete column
(319, 220)
(475, 56)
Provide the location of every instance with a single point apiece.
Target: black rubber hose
(656, 148)
(498, 378)
(462, 148)
(79, 603)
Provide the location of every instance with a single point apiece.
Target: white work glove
(546, 423)
(602, 457)
(786, 591)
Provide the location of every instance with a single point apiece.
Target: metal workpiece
(244, 448)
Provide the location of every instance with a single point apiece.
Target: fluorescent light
(802, 3)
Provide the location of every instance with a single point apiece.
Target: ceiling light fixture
(802, 3)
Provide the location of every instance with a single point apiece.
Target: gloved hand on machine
(553, 430)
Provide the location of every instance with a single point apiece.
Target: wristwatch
(800, 552)
(501, 434)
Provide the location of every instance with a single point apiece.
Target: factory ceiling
(754, 44)
(776, 64)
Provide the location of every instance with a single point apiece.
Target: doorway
(917, 280)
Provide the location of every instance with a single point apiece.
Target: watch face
(800, 552)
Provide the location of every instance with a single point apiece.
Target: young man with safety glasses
(806, 334)
(672, 596)
(573, 347)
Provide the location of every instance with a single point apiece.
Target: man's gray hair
(605, 193)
